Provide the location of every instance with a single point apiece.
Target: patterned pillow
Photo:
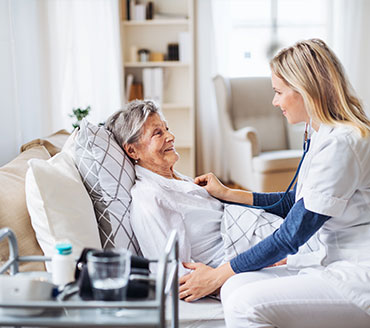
(108, 176)
(242, 228)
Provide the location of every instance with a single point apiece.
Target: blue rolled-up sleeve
(283, 208)
(298, 227)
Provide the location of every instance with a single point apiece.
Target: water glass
(109, 273)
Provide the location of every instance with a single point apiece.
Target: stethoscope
(306, 147)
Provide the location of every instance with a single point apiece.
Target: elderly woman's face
(155, 149)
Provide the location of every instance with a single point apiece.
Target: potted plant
(79, 114)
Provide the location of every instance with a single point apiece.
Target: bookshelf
(170, 20)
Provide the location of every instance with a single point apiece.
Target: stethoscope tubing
(306, 147)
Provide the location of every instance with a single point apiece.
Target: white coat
(335, 181)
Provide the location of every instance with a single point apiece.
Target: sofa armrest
(249, 134)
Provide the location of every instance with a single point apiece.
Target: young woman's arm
(215, 188)
(297, 228)
(299, 225)
(282, 210)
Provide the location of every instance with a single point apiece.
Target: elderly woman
(163, 199)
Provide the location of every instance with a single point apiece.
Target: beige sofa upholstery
(13, 208)
(257, 142)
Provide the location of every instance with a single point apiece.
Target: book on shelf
(184, 47)
(153, 84)
(136, 91)
(140, 12)
(129, 81)
(136, 11)
(131, 9)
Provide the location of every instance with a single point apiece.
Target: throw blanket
(243, 227)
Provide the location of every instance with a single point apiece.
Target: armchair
(255, 134)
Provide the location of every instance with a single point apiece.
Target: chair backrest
(247, 102)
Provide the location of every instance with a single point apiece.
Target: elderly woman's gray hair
(126, 124)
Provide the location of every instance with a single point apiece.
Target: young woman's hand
(210, 182)
(203, 280)
(216, 189)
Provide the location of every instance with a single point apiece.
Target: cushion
(69, 146)
(243, 227)
(52, 143)
(59, 205)
(13, 209)
(108, 175)
(275, 161)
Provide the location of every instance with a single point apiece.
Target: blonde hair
(310, 68)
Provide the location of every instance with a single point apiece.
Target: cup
(109, 273)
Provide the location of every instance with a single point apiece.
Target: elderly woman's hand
(203, 281)
(210, 182)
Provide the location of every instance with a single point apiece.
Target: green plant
(79, 114)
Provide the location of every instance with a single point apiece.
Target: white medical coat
(335, 180)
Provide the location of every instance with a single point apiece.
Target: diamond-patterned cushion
(108, 176)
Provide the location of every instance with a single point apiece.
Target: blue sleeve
(265, 199)
(299, 225)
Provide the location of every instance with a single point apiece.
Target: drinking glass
(109, 273)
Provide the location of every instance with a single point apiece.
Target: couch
(13, 208)
(15, 214)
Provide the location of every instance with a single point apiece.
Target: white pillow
(59, 205)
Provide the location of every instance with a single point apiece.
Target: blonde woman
(331, 201)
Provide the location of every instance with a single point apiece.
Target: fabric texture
(52, 143)
(297, 228)
(279, 297)
(181, 205)
(13, 209)
(244, 227)
(59, 205)
(208, 231)
(108, 176)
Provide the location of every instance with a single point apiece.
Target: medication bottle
(63, 265)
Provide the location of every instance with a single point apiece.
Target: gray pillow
(108, 176)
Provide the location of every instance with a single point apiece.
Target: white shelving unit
(178, 77)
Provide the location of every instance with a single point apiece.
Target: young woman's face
(155, 149)
(290, 102)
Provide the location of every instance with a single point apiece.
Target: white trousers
(277, 297)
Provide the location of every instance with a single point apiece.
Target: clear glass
(109, 273)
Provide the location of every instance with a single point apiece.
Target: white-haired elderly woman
(162, 198)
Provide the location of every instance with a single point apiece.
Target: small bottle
(63, 265)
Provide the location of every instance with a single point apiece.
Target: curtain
(351, 42)
(210, 148)
(58, 55)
